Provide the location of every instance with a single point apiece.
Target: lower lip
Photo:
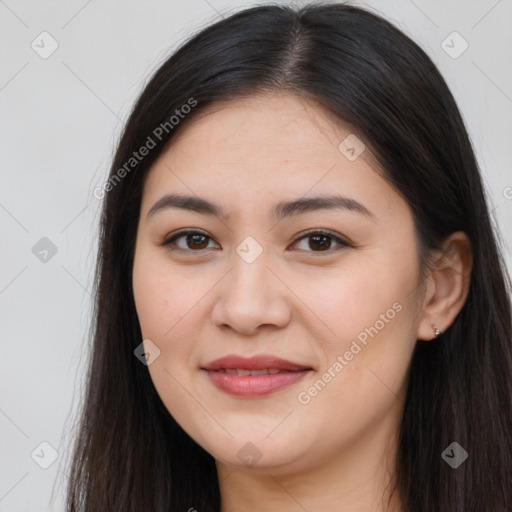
(248, 386)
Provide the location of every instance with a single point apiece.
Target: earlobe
(448, 287)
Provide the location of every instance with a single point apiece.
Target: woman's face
(280, 347)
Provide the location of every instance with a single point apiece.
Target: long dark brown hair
(130, 454)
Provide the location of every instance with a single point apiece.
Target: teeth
(258, 372)
(243, 372)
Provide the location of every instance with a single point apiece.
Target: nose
(251, 296)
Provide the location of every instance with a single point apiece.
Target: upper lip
(257, 362)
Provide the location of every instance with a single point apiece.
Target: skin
(295, 300)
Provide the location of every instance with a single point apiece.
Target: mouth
(254, 377)
(244, 372)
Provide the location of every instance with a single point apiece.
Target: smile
(254, 377)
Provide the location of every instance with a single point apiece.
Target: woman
(301, 302)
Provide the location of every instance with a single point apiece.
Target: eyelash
(170, 240)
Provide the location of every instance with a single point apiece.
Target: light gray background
(60, 119)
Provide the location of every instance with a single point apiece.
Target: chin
(251, 452)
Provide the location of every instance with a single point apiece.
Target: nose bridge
(251, 294)
(250, 274)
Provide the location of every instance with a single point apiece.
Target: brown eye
(321, 241)
(193, 240)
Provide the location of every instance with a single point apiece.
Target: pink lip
(248, 386)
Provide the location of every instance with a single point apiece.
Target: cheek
(163, 297)
(366, 361)
(164, 302)
(369, 309)
(358, 295)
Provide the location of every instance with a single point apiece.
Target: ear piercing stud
(437, 332)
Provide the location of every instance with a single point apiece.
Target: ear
(447, 286)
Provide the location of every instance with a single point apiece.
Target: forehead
(279, 122)
(262, 148)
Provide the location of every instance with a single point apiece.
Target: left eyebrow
(309, 204)
(281, 210)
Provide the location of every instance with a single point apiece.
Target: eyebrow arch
(281, 210)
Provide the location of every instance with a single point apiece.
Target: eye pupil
(316, 238)
(195, 237)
